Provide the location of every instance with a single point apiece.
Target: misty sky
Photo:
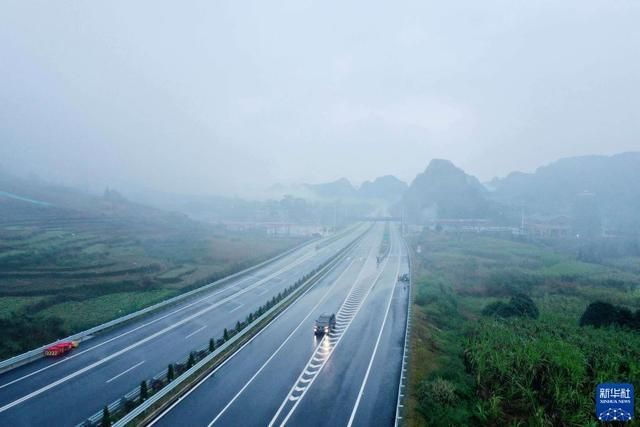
(226, 96)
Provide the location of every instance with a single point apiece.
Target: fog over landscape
(231, 98)
(319, 213)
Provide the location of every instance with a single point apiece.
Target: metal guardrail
(37, 353)
(402, 384)
(170, 387)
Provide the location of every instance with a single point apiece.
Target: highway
(65, 391)
(288, 376)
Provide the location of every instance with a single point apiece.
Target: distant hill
(612, 181)
(386, 187)
(32, 201)
(339, 189)
(445, 191)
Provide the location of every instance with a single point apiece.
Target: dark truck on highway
(324, 324)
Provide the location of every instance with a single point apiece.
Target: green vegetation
(497, 336)
(10, 305)
(22, 331)
(196, 356)
(74, 273)
(604, 314)
(518, 306)
(106, 417)
(144, 391)
(191, 361)
(80, 315)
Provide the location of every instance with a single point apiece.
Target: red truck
(60, 348)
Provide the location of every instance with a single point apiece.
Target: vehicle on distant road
(60, 348)
(324, 324)
(403, 278)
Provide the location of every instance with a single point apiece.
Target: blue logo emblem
(614, 402)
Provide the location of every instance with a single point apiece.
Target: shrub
(421, 297)
(519, 305)
(600, 314)
(106, 417)
(438, 399)
(499, 309)
(439, 390)
(23, 332)
(524, 306)
(144, 392)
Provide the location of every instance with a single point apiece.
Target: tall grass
(476, 370)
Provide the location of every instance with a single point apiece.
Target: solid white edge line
(225, 362)
(130, 347)
(316, 373)
(304, 249)
(280, 347)
(407, 332)
(375, 348)
(144, 325)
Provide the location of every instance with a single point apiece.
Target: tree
(225, 335)
(604, 314)
(498, 309)
(171, 374)
(524, 306)
(212, 345)
(106, 417)
(624, 317)
(144, 392)
(598, 314)
(191, 361)
(519, 305)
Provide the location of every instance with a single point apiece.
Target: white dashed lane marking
(194, 332)
(347, 312)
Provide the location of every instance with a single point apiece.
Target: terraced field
(62, 271)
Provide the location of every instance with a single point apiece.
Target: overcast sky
(224, 96)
